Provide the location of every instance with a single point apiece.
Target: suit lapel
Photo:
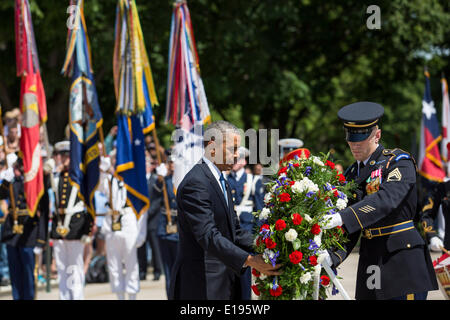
(215, 184)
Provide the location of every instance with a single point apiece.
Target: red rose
(296, 257)
(313, 260)
(277, 292)
(270, 244)
(255, 290)
(325, 280)
(283, 170)
(297, 219)
(285, 197)
(330, 164)
(255, 272)
(264, 226)
(291, 183)
(336, 193)
(341, 178)
(280, 225)
(315, 229)
(296, 165)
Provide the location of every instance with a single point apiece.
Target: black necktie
(361, 166)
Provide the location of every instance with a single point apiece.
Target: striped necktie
(224, 188)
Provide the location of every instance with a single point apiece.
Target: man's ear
(210, 149)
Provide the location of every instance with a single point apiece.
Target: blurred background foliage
(282, 64)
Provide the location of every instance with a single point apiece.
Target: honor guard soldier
(440, 195)
(394, 262)
(243, 189)
(23, 232)
(123, 234)
(71, 228)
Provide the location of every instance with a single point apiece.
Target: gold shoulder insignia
(429, 205)
(394, 175)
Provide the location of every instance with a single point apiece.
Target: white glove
(142, 230)
(161, 170)
(105, 163)
(37, 250)
(436, 244)
(331, 221)
(11, 158)
(324, 256)
(49, 166)
(7, 174)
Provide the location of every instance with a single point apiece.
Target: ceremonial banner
(32, 104)
(445, 144)
(187, 106)
(430, 164)
(85, 117)
(136, 96)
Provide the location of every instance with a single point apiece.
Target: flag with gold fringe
(187, 106)
(85, 117)
(136, 96)
(430, 164)
(32, 104)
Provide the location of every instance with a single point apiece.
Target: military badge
(62, 231)
(116, 226)
(373, 182)
(394, 175)
(17, 228)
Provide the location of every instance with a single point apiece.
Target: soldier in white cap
(71, 229)
(123, 234)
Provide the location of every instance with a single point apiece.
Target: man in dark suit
(152, 226)
(394, 262)
(212, 248)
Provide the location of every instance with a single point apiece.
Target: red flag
(32, 105)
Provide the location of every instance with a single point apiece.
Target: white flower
(308, 218)
(268, 254)
(267, 197)
(282, 175)
(305, 185)
(262, 276)
(305, 278)
(318, 239)
(291, 235)
(317, 161)
(341, 204)
(265, 212)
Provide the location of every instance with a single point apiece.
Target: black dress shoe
(156, 276)
(142, 276)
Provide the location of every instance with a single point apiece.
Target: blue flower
(273, 259)
(308, 171)
(313, 246)
(310, 194)
(335, 291)
(275, 283)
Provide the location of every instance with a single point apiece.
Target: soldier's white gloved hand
(331, 221)
(324, 256)
(436, 244)
(105, 163)
(7, 174)
(11, 158)
(142, 230)
(49, 166)
(37, 250)
(161, 170)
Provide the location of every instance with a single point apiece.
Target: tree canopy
(287, 65)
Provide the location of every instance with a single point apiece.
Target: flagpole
(166, 198)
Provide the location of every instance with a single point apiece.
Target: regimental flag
(445, 144)
(187, 106)
(85, 117)
(32, 104)
(136, 97)
(430, 164)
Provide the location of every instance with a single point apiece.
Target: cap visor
(357, 137)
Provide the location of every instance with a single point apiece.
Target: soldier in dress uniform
(243, 188)
(394, 262)
(123, 235)
(440, 195)
(71, 229)
(24, 234)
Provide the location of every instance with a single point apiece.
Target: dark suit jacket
(155, 202)
(212, 248)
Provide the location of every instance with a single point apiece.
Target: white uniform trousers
(121, 252)
(70, 266)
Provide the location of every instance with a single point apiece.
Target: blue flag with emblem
(85, 117)
(136, 96)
